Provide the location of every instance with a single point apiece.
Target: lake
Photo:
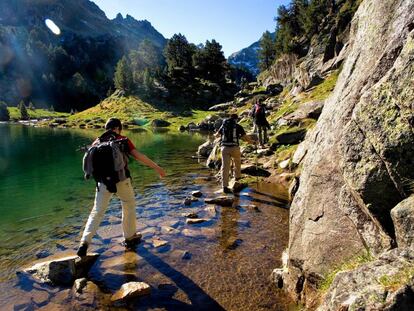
(45, 203)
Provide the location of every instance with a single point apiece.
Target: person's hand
(160, 172)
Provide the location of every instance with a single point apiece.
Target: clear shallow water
(45, 203)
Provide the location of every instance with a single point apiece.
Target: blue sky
(235, 24)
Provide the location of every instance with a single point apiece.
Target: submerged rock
(62, 271)
(191, 221)
(131, 290)
(222, 201)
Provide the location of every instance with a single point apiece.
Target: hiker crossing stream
(193, 255)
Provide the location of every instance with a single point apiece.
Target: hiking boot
(133, 241)
(82, 250)
(226, 190)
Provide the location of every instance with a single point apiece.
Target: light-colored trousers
(228, 153)
(125, 192)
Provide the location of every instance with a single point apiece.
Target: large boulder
(403, 219)
(61, 271)
(292, 137)
(359, 154)
(205, 149)
(309, 110)
(383, 284)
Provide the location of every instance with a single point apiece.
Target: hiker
(112, 178)
(230, 133)
(260, 122)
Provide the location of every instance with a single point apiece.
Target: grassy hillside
(133, 112)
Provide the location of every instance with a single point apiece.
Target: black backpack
(106, 161)
(229, 133)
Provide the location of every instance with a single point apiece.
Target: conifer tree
(123, 76)
(24, 115)
(267, 52)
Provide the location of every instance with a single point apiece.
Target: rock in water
(197, 194)
(222, 201)
(160, 123)
(205, 149)
(62, 271)
(131, 290)
(191, 221)
(159, 243)
(237, 186)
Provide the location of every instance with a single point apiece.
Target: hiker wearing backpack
(260, 122)
(107, 161)
(230, 133)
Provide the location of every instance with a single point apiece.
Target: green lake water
(42, 189)
(45, 202)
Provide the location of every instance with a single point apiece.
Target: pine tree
(4, 112)
(267, 52)
(24, 115)
(123, 76)
(31, 106)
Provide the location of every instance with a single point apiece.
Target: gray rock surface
(131, 290)
(403, 219)
(204, 150)
(359, 153)
(384, 284)
(312, 110)
(61, 271)
(222, 201)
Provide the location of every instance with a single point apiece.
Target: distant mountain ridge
(82, 17)
(247, 58)
(77, 65)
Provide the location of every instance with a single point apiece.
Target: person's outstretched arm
(142, 158)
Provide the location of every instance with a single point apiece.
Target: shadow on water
(200, 300)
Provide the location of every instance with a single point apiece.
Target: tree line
(183, 73)
(301, 21)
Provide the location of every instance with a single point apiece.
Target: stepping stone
(158, 243)
(197, 194)
(222, 201)
(191, 221)
(131, 290)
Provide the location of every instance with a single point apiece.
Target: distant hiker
(107, 161)
(260, 122)
(230, 133)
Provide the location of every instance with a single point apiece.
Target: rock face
(360, 153)
(403, 219)
(61, 271)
